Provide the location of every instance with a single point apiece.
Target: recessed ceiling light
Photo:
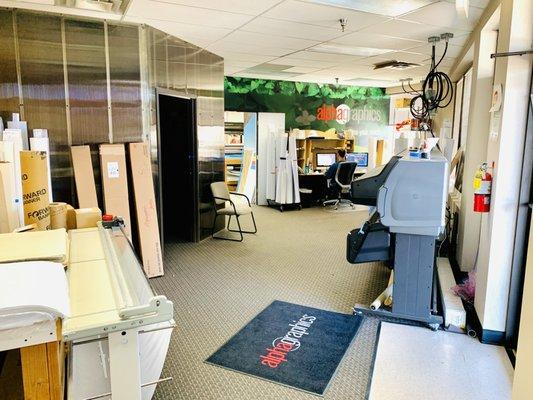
(382, 7)
(348, 50)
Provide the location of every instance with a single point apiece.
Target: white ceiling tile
(268, 40)
(372, 82)
(297, 62)
(326, 57)
(156, 10)
(291, 29)
(245, 57)
(444, 14)
(302, 70)
(238, 6)
(185, 31)
(453, 51)
(264, 75)
(376, 41)
(321, 15)
(410, 30)
(389, 8)
(240, 64)
(223, 46)
(315, 78)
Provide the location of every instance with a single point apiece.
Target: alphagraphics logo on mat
(285, 344)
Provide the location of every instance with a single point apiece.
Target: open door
(177, 149)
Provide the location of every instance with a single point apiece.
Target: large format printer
(409, 197)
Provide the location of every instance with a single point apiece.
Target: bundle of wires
(437, 90)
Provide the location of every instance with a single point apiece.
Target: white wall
(506, 150)
(476, 144)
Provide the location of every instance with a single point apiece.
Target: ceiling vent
(393, 64)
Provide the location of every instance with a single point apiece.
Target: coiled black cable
(437, 90)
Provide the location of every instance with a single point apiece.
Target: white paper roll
(14, 135)
(43, 144)
(23, 126)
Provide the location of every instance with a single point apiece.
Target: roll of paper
(34, 169)
(22, 126)
(9, 215)
(58, 215)
(14, 136)
(43, 144)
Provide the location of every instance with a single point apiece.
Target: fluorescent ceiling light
(391, 8)
(348, 50)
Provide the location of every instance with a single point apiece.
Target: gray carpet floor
(217, 287)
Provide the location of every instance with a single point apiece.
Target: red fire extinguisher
(482, 189)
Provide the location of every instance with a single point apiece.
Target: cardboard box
(9, 215)
(71, 217)
(145, 208)
(87, 217)
(34, 170)
(84, 176)
(402, 102)
(115, 183)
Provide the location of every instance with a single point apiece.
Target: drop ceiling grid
(284, 31)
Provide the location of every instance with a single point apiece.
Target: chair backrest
(345, 173)
(220, 191)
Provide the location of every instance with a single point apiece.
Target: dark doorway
(178, 169)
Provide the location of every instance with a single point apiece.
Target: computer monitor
(325, 159)
(360, 158)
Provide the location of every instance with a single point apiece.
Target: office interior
(284, 199)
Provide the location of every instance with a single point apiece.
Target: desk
(315, 182)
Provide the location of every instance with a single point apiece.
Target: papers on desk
(31, 292)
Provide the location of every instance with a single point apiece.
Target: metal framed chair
(221, 198)
(344, 177)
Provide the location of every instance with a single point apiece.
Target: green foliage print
(300, 102)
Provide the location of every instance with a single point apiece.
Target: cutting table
(119, 329)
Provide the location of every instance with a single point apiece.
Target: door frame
(172, 93)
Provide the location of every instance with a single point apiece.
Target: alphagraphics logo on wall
(283, 345)
(343, 114)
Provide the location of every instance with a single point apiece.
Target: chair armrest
(242, 195)
(231, 202)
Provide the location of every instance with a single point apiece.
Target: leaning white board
(266, 123)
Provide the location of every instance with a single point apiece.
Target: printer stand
(414, 286)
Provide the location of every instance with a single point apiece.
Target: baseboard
(486, 336)
(492, 337)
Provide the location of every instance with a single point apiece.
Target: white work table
(111, 301)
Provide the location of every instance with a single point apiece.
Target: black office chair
(342, 184)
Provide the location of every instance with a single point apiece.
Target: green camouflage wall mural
(311, 105)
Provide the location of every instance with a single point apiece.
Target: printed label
(112, 170)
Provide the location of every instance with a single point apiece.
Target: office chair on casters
(221, 198)
(344, 177)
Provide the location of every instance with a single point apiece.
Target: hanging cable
(437, 88)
